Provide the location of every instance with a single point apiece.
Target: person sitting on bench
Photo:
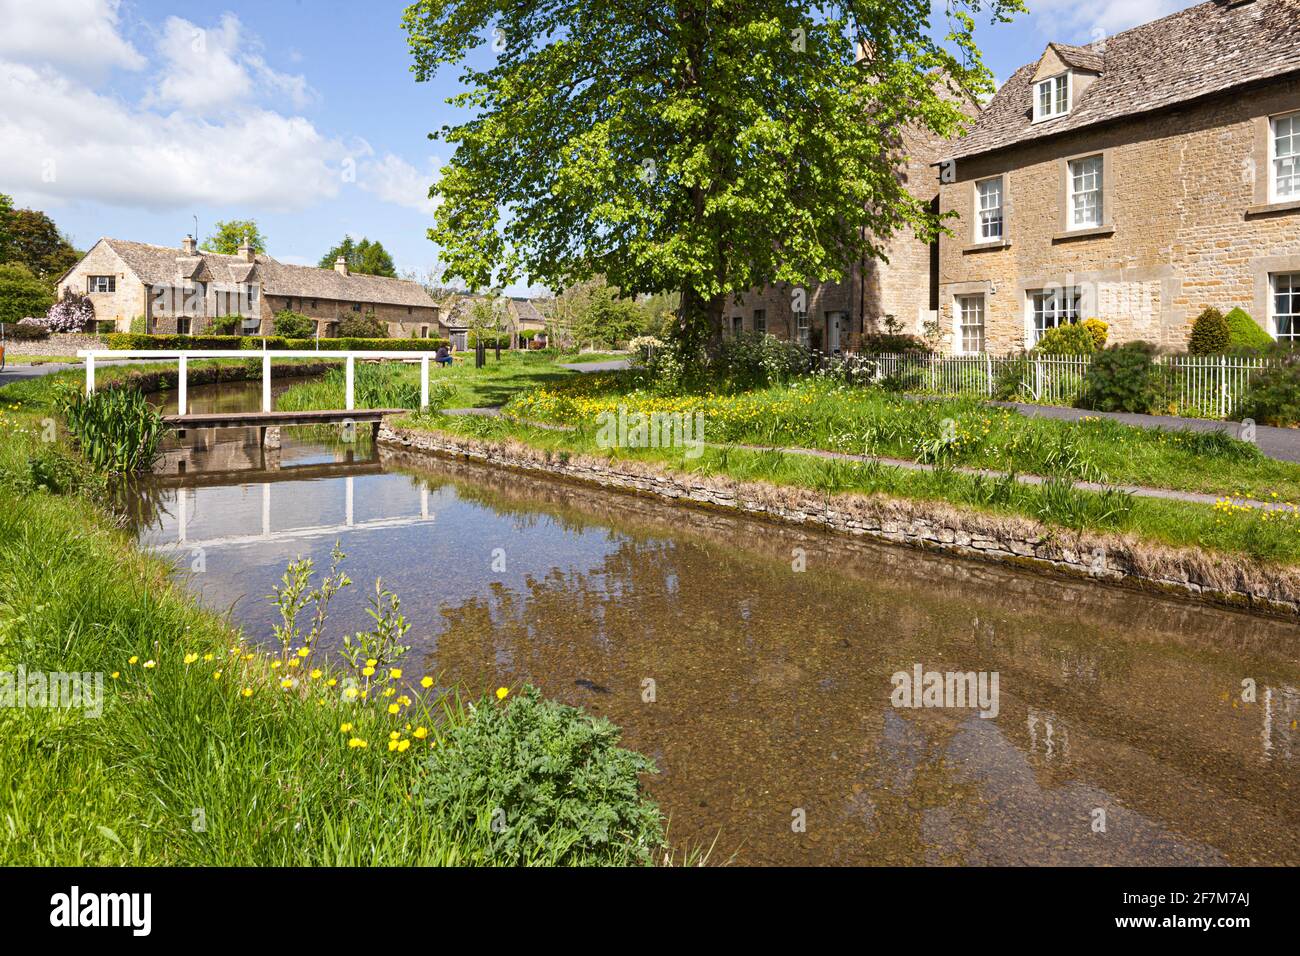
(444, 355)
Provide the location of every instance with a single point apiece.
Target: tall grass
(202, 755)
(374, 386)
(116, 429)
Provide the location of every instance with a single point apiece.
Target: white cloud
(201, 135)
(78, 35)
(208, 69)
(396, 181)
(62, 141)
(1089, 20)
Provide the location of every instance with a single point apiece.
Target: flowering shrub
(72, 313)
(643, 348)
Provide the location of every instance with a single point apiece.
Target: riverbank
(187, 743)
(866, 501)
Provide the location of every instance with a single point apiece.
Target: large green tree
(30, 237)
(706, 146)
(366, 257)
(228, 236)
(22, 294)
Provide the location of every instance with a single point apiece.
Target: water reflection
(771, 689)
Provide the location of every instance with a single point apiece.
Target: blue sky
(130, 118)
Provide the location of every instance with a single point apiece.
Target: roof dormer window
(1052, 97)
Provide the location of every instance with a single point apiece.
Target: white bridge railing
(182, 358)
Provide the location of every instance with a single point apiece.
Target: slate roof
(1203, 50)
(162, 265)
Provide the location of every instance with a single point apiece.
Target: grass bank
(812, 413)
(1224, 529)
(203, 749)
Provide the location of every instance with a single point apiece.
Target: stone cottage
(181, 290)
(1139, 180)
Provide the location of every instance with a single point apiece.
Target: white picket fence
(1201, 386)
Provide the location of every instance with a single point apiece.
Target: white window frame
(802, 329)
(92, 284)
(1073, 192)
(985, 218)
(1058, 83)
(1275, 161)
(1051, 308)
(1284, 284)
(962, 310)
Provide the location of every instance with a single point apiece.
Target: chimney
(341, 266)
(245, 249)
(189, 246)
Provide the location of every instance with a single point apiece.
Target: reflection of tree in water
(763, 703)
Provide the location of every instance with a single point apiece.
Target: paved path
(1280, 443)
(613, 365)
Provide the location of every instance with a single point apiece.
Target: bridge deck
(280, 419)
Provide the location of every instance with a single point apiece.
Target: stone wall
(1187, 223)
(1115, 559)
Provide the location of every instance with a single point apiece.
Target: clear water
(771, 719)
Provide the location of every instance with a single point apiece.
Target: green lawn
(1252, 533)
(872, 422)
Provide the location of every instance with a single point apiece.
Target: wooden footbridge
(268, 420)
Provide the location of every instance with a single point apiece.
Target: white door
(834, 325)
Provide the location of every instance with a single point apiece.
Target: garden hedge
(254, 343)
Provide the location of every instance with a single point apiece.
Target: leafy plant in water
(117, 430)
(295, 593)
(372, 654)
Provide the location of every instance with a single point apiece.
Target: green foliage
(1274, 396)
(604, 319)
(1059, 502)
(1124, 378)
(23, 332)
(708, 153)
(535, 781)
(22, 294)
(755, 360)
(6, 210)
(364, 257)
(893, 343)
(226, 325)
(293, 325)
(1245, 333)
(374, 386)
(362, 327)
(116, 429)
(31, 238)
(170, 343)
(228, 236)
(139, 325)
(1210, 334)
(1069, 339)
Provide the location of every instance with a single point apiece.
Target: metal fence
(1200, 386)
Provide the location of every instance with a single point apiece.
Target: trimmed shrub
(490, 341)
(362, 327)
(893, 343)
(1274, 396)
(1124, 378)
(293, 325)
(568, 793)
(1069, 339)
(253, 343)
(25, 332)
(1245, 333)
(1210, 334)
(1100, 332)
(105, 326)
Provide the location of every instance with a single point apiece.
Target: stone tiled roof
(1206, 49)
(162, 265)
